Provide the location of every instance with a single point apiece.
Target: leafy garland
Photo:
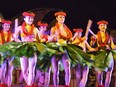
(100, 39)
(25, 31)
(67, 31)
(3, 36)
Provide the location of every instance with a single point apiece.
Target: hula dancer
(6, 66)
(82, 69)
(60, 33)
(104, 59)
(43, 38)
(28, 33)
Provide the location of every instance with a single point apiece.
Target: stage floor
(23, 85)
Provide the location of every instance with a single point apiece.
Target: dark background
(78, 11)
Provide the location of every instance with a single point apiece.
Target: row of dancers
(101, 47)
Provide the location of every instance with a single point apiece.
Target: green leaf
(61, 49)
(40, 47)
(100, 60)
(1, 59)
(44, 64)
(16, 61)
(72, 55)
(85, 56)
(114, 54)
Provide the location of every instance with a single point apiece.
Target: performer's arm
(113, 46)
(93, 40)
(16, 34)
(53, 34)
(89, 47)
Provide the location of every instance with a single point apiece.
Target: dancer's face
(42, 28)
(78, 34)
(60, 18)
(29, 19)
(102, 27)
(6, 27)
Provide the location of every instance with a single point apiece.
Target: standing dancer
(28, 33)
(6, 66)
(60, 32)
(104, 55)
(82, 70)
(43, 37)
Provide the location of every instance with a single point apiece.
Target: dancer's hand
(92, 49)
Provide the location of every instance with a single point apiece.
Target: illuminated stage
(90, 83)
(23, 85)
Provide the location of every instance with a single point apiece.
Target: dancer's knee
(56, 73)
(67, 65)
(67, 71)
(85, 76)
(47, 76)
(9, 73)
(78, 75)
(108, 75)
(31, 72)
(25, 72)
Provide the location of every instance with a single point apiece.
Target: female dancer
(28, 33)
(104, 55)
(60, 32)
(43, 37)
(6, 66)
(82, 70)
